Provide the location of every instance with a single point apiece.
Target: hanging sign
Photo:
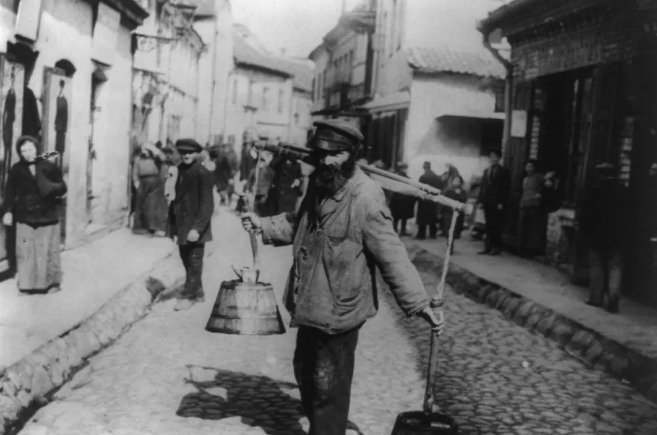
(27, 19)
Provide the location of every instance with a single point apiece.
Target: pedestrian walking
(446, 178)
(402, 207)
(532, 219)
(605, 227)
(148, 177)
(223, 175)
(342, 230)
(260, 184)
(189, 219)
(493, 194)
(427, 212)
(456, 192)
(32, 199)
(286, 186)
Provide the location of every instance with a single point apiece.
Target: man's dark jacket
(194, 204)
(495, 186)
(427, 211)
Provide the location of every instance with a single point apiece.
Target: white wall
(269, 121)
(432, 97)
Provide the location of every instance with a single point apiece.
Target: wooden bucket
(245, 308)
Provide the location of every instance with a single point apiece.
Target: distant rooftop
(249, 51)
(443, 58)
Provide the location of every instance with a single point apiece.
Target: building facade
(260, 88)
(166, 74)
(432, 100)
(65, 74)
(584, 93)
(301, 122)
(343, 67)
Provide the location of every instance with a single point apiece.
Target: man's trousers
(324, 368)
(191, 255)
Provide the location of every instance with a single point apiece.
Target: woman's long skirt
(150, 206)
(37, 256)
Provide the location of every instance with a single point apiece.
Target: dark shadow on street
(258, 401)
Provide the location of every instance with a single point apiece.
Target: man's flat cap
(335, 135)
(188, 145)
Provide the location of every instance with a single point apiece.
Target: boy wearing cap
(340, 235)
(189, 219)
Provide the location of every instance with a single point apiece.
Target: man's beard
(329, 179)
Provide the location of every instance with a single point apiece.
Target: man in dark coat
(494, 191)
(189, 219)
(606, 229)
(427, 211)
(341, 234)
(286, 186)
(401, 206)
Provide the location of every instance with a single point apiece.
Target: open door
(11, 121)
(56, 98)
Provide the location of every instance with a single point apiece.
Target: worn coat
(427, 211)
(193, 205)
(495, 185)
(337, 246)
(34, 199)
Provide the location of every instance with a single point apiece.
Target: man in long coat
(340, 235)
(493, 194)
(427, 211)
(189, 219)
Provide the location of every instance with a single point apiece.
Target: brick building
(583, 93)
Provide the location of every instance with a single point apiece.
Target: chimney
(344, 6)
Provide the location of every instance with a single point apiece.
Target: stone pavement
(543, 299)
(107, 284)
(167, 375)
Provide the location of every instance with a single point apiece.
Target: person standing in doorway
(341, 234)
(605, 227)
(61, 121)
(8, 119)
(493, 194)
(189, 219)
(531, 221)
(427, 211)
(402, 206)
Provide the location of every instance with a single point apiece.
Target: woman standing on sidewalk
(32, 198)
(531, 224)
(150, 203)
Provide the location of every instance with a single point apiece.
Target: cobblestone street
(167, 375)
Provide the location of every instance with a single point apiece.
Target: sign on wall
(106, 33)
(519, 123)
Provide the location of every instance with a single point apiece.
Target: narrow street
(167, 375)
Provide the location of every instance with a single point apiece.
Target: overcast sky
(295, 25)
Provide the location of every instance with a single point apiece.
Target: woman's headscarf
(26, 138)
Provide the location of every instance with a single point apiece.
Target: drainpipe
(508, 88)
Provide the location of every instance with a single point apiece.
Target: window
(265, 98)
(250, 101)
(234, 97)
(281, 95)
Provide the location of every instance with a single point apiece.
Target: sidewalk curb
(597, 351)
(29, 382)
